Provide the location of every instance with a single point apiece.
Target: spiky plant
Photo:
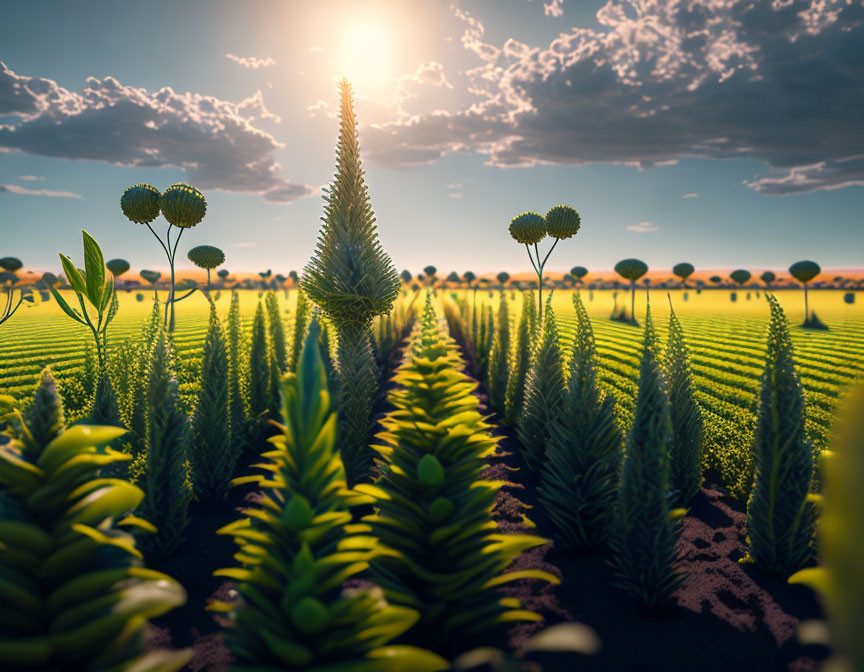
(780, 520)
(73, 591)
(442, 554)
(499, 359)
(212, 456)
(685, 448)
(298, 336)
(238, 396)
(136, 397)
(579, 484)
(277, 331)
(521, 360)
(259, 380)
(643, 541)
(297, 550)
(544, 393)
(839, 579)
(166, 492)
(352, 279)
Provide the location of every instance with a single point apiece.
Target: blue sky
(725, 136)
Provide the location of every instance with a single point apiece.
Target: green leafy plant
(529, 228)
(238, 389)
(685, 448)
(352, 279)
(839, 579)
(521, 360)
(277, 331)
(212, 456)
(166, 491)
(259, 382)
(9, 266)
(207, 257)
(91, 287)
(499, 359)
(580, 477)
(298, 548)
(643, 542)
(780, 519)
(683, 271)
(544, 393)
(182, 206)
(74, 592)
(301, 323)
(442, 555)
(632, 270)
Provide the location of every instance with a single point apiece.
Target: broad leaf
(94, 264)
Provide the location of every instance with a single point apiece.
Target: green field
(726, 340)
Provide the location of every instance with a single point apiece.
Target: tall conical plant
(301, 321)
(780, 520)
(238, 398)
(74, 594)
(352, 279)
(580, 478)
(685, 449)
(544, 393)
(521, 360)
(259, 381)
(643, 542)
(499, 358)
(442, 555)
(277, 331)
(166, 492)
(211, 453)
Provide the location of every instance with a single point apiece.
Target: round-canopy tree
(182, 206)
(207, 257)
(453, 277)
(632, 270)
(430, 272)
(117, 267)
(804, 272)
(529, 228)
(683, 271)
(578, 273)
(8, 279)
(715, 279)
(223, 274)
(768, 277)
(740, 276)
(503, 278)
(11, 264)
(406, 276)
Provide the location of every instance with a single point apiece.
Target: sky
(726, 133)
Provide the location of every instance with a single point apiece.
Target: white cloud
(24, 191)
(553, 8)
(216, 142)
(643, 227)
(30, 178)
(251, 61)
(690, 196)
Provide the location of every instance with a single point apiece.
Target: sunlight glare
(366, 56)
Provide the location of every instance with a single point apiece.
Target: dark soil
(725, 616)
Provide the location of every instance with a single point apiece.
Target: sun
(366, 56)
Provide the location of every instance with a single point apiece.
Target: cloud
(690, 196)
(553, 8)
(24, 191)
(660, 81)
(216, 142)
(455, 195)
(318, 108)
(251, 61)
(643, 227)
(30, 178)
(431, 73)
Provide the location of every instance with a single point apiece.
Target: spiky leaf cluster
(562, 222)
(646, 531)
(277, 332)
(350, 276)
(780, 520)
(685, 448)
(301, 322)
(528, 228)
(521, 360)
(166, 492)
(544, 393)
(443, 556)
(259, 381)
(499, 358)
(238, 397)
(297, 549)
(579, 484)
(140, 203)
(211, 453)
(73, 591)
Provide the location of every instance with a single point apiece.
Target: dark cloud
(214, 141)
(775, 80)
